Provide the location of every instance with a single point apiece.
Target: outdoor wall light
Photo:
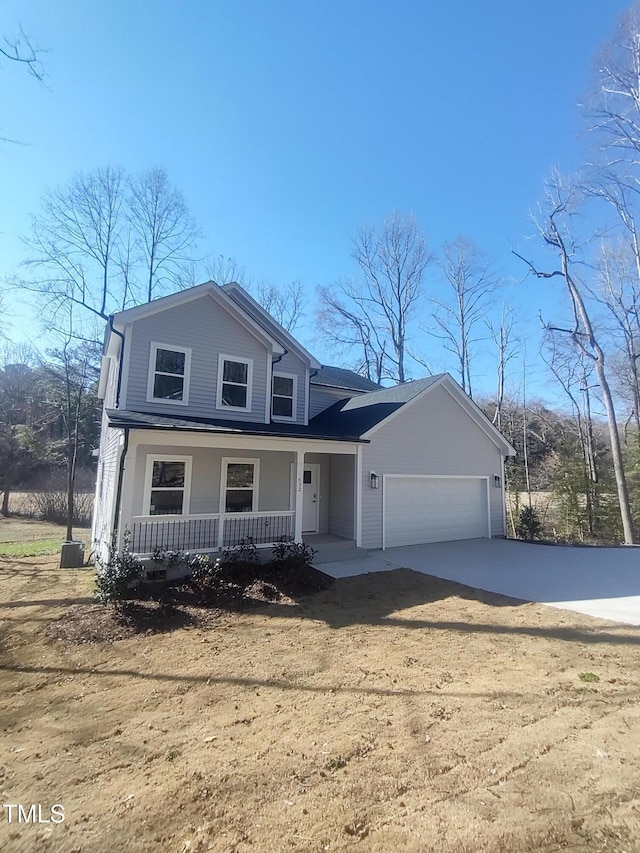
(375, 480)
(496, 481)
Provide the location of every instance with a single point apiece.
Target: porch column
(299, 495)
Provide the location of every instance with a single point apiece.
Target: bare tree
(72, 372)
(166, 232)
(21, 50)
(376, 312)
(471, 281)
(573, 371)
(285, 304)
(613, 108)
(619, 292)
(223, 270)
(73, 246)
(555, 232)
(346, 323)
(507, 347)
(96, 248)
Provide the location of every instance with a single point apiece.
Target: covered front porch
(212, 492)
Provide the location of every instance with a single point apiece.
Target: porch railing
(208, 532)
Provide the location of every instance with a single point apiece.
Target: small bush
(170, 559)
(204, 571)
(116, 578)
(244, 552)
(289, 556)
(529, 525)
(240, 562)
(589, 677)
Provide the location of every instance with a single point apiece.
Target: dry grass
(393, 711)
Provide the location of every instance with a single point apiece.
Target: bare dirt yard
(389, 712)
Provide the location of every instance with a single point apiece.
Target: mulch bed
(160, 607)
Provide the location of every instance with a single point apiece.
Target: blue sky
(289, 124)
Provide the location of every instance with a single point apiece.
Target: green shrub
(204, 571)
(244, 552)
(289, 556)
(529, 525)
(116, 578)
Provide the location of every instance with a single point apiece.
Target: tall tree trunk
(598, 358)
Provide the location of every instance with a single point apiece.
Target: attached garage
(427, 508)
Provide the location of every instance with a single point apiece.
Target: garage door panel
(434, 509)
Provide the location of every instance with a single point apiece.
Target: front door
(310, 498)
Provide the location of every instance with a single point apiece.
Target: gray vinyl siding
(209, 330)
(321, 397)
(105, 489)
(433, 436)
(342, 496)
(292, 364)
(324, 491)
(274, 489)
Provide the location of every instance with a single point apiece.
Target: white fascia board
(182, 297)
(234, 288)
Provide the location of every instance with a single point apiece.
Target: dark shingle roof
(336, 418)
(177, 423)
(397, 394)
(340, 377)
(359, 414)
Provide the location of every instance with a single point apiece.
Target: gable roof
(365, 414)
(249, 304)
(209, 288)
(340, 377)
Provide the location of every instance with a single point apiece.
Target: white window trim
(186, 500)
(249, 362)
(294, 406)
(155, 346)
(226, 461)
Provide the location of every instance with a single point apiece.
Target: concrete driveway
(603, 582)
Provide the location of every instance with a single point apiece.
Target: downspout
(116, 511)
(279, 358)
(120, 361)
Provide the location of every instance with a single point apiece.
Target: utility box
(72, 555)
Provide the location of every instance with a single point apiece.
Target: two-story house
(218, 426)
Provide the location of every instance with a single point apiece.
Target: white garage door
(434, 509)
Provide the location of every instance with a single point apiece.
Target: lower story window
(239, 485)
(167, 485)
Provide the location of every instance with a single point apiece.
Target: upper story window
(167, 485)
(234, 383)
(169, 368)
(283, 402)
